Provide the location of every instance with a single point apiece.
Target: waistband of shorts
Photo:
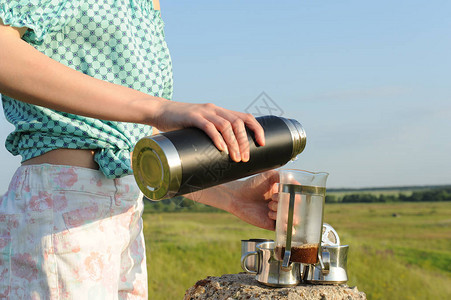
(70, 178)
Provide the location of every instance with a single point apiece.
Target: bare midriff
(68, 157)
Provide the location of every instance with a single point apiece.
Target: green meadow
(397, 250)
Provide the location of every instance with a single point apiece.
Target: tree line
(435, 194)
(177, 204)
(182, 204)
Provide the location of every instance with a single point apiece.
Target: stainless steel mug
(270, 270)
(337, 273)
(250, 246)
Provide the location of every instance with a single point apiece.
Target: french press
(299, 220)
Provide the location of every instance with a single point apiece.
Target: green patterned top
(120, 41)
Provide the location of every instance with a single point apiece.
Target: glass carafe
(300, 216)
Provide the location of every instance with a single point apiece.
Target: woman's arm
(156, 4)
(30, 76)
(253, 200)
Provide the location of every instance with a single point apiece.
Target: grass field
(402, 257)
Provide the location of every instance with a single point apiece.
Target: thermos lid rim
(157, 167)
(298, 135)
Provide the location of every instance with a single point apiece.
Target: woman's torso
(120, 41)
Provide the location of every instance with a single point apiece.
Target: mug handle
(243, 261)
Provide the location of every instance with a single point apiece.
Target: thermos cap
(157, 167)
(298, 135)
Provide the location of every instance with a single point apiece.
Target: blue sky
(369, 81)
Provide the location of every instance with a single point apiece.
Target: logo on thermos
(211, 166)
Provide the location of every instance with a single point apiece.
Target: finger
(272, 215)
(239, 129)
(252, 124)
(275, 178)
(272, 176)
(210, 129)
(275, 188)
(241, 136)
(273, 206)
(226, 129)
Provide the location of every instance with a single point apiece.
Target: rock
(244, 286)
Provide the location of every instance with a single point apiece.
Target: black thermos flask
(183, 161)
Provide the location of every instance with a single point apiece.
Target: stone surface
(245, 286)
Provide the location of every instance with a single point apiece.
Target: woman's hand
(250, 200)
(225, 127)
(253, 199)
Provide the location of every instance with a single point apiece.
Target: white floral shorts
(70, 233)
